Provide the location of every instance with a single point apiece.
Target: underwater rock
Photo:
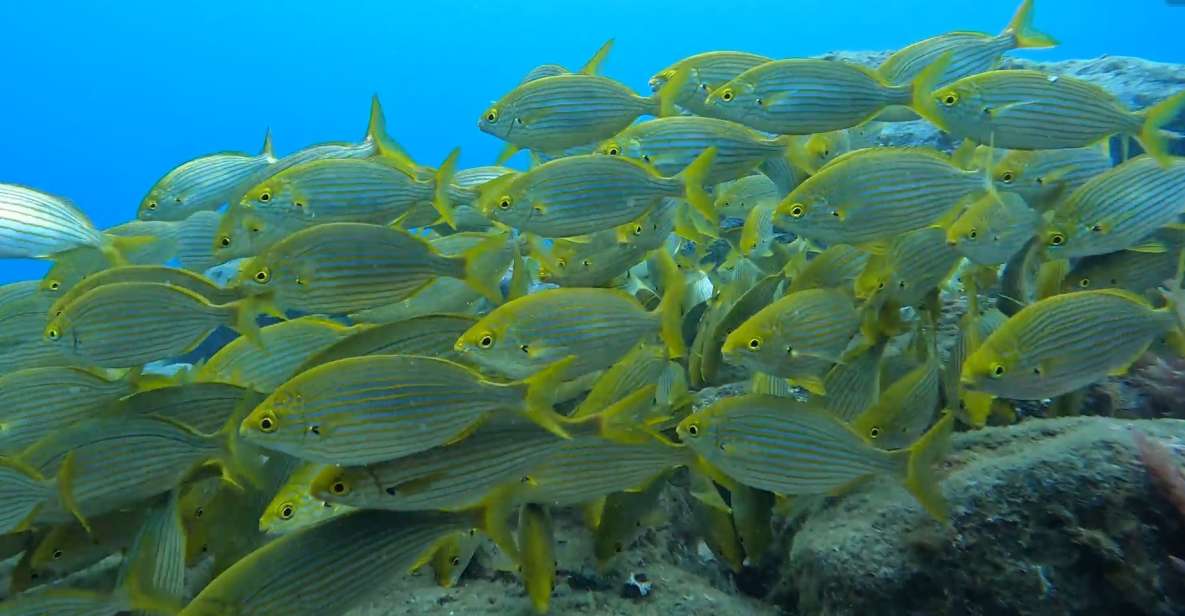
(1049, 516)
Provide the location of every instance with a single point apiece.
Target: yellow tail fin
(483, 268)
(1155, 117)
(924, 84)
(444, 177)
(920, 479)
(694, 177)
(1022, 31)
(245, 311)
(66, 491)
(670, 309)
(540, 396)
(668, 95)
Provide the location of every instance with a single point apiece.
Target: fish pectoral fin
(813, 384)
(995, 112)
(417, 485)
(1149, 247)
(466, 433)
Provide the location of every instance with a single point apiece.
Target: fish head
(807, 210)
(877, 276)
(255, 276)
(754, 344)
(962, 105)
(661, 78)
(506, 201)
(994, 362)
(735, 100)
(492, 344)
(499, 118)
(336, 484)
(1057, 236)
(154, 203)
(275, 192)
(277, 420)
(697, 431)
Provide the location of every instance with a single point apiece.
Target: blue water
(99, 100)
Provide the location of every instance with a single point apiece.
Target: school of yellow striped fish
(432, 358)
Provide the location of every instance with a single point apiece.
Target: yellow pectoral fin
(996, 112)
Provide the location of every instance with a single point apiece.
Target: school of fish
(425, 360)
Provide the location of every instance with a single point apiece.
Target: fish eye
(224, 241)
(1057, 239)
(1007, 177)
(726, 95)
(950, 98)
(825, 153)
(57, 554)
(874, 432)
(612, 150)
(1085, 282)
(491, 116)
(504, 203)
(1097, 228)
(586, 263)
(561, 263)
(486, 341)
(797, 210)
(199, 512)
(340, 488)
(286, 511)
(646, 157)
(54, 285)
(268, 423)
(455, 561)
(265, 196)
(53, 333)
(152, 205)
(972, 234)
(637, 229)
(263, 276)
(755, 344)
(998, 370)
(693, 429)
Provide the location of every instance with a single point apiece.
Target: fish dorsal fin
(387, 148)
(593, 66)
(266, 151)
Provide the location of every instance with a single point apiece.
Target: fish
(329, 567)
(195, 241)
(1065, 342)
(440, 296)
(704, 72)
(797, 336)
(41, 401)
(735, 198)
(835, 268)
(203, 407)
(1138, 272)
(293, 507)
(751, 516)
(671, 144)
(1043, 178)
(1033, 110)
(975, 326)
(917, 262)
(867, 197)
(432, 335)
(66, 602)
(144, 274)
(1117, 210)
(715, 527)
(623, 516)
(332, 414)
(594, 326)
(994, 228)
(854, 385)
(167, 321)
(809, 153)
(904, 409)
(34, 224)
(554, 113)
(452, 557)
(23, 309)
(970, 53)
(154, 566)
(25, 491)
(245, 233)
(69, 548)
(645, 364)
(202, 184)
(805, 96)
(283, 347)
(343, 267)
(599, 259)
(788, 448)
(536, 540)
(579, 195)
(735, 308)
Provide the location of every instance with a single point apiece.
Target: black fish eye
(755, 343)
(1057, 239)
(55, 285)
(454, 561)
(486, 341)
(57, 554)
(1085, 282)
(874, 432)
(972, 234)
(693, 430)
(286, 512)
(265, 196)
(1007, 177)
(224, 241)
(339, 488)
(152, 205)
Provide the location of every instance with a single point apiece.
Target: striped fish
(327, 568)
(454, 477)
(1138, 272)
(69, 548)
(23, 310)
(204, 407)
(536, 541)
(974, 327)
(868, 196)
(117, 461)
(645, 365)
(363, 410)
(734, 199)
(1046, 177)
(285, 346)
(1118, 209)
(970, 53)
(463, 195)
(1032, 110)
(623, 517)
(242, 232)
(155, 241)
(127, 324)
(562, 111)
(904, 410)
(23, 492)
(155, 563)
(916, 263)
(835, 268)
(800, 97)
(994, 228)
(432, 335)
(798, 336)
(34, 224)
(671, 144)
(343, 267)
(452, 558)
(580, 195)
(732, 311)
(809, 153)
(790, 448)
(705, 72)
(203, 183)
(158, 274)
(294, 507)
(195, 242)
(41, 401)
(597, 260)
(1065, 342)
(854, 385)
(595, 326)
(35, 352)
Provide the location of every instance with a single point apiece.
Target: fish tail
(65, 480)
(670, 309)
(483, 270)
(978, 407)
(244, 312)
(117, 247)
(507, 152)
(633, 418)
(919, 460)
(1022, 31)
(444, 177)
(490, 518)
(540, 396)
(668, 94)
(236, 461)
(925, 83)
(1155, 117)
(694, 178)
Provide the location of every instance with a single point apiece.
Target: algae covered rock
(1050, 516)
